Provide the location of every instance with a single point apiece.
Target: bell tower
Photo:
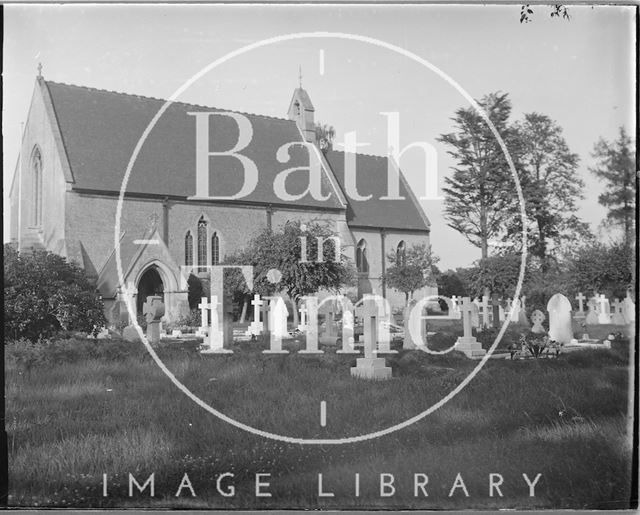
(301, 111)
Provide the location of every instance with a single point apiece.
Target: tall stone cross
(580, 298)
(214, 341)
(204, 308)
(604, 316)
(256, 326)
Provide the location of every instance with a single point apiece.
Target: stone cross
(466, 310)
(370, 367)
(215, 338)
(604, 315)
(560, 328)
(302, 326)
(204, 308)
(467, 343)
(537, 317)
(580, 298)
(256, 326)
(311, 332)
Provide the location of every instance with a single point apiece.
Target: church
(75, 149)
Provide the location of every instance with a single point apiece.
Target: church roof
(100, 130)
(371, 179)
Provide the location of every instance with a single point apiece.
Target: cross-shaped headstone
(580, 298)
(204, 307)
(604, 315)
(537, 317)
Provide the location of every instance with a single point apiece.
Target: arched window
(215, 249)
(362, 265)
(401, 254)
(202, 244)
(36, 169)
(188, 249)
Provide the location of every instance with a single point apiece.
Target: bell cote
(302, 112)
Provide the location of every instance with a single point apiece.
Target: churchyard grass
(75, 418)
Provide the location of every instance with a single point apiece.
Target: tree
(43, 294)
(550, 186)
(616, 166)
(479, 192)
(557, 11)
(282, 250)
(411, 270)
(324, 136)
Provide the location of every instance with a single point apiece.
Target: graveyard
(121, 415)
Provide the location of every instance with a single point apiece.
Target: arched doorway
(149, 284)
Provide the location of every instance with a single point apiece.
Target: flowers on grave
(536, 344)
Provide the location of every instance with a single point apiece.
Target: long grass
(70, 423)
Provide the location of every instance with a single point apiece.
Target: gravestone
(408, 322)
(581, 313)
(370, 367)
(256, 327)
(629, 310)
(384, 330)
(522, 316)
(214, 341)
(495, 307)
(604, 313)
(618, 316)
(560, 328)
(278, 314)
(311, 328)
(537, 317)
(153, 310)
(467, 344)
(302, 326)
(204, 316)
(592, 314)
(454, 307)
(347, 328)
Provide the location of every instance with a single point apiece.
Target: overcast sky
(578, 72)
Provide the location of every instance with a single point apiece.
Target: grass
(73, 421)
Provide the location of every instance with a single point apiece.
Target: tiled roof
(100, 130)
(371, 179)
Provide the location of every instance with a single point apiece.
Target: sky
(578, 72)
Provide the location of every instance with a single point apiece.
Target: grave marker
(278, 314)
(560, 328)
(592, 314)
(467, 343)
(370, 367)
(153, 310)
(311, 328)
(537, 317)
(214, 341)
(580, 298)
(604, 314)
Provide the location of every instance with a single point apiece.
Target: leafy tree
(550, 186)
(324, 136)
(481, 189)
(43, 294)
(412, 270)
(616, 166)
(282, 250)
(607, 269)
(497, 274)
(557, 11)
(451, 283)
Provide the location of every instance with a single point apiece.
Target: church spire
(300, 76)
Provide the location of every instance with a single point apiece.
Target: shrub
(43, 294)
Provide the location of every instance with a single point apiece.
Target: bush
(43, 294)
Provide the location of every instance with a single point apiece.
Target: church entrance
(150, 284)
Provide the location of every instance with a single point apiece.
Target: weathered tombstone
(523, 312)
(214, 341)
(560, 328)
(302, 326)
(604, 313)
(537, 317)
(204, 316)
(592, 314)
(495, 306)
(580, 298)
(629, 310)
(256, 327)
(153, 310)
(467, 343)
(408, 322)
(475, 315)
(278, 314)
(370, 367)
(311, 328)
(618, 316)
(347, 328)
